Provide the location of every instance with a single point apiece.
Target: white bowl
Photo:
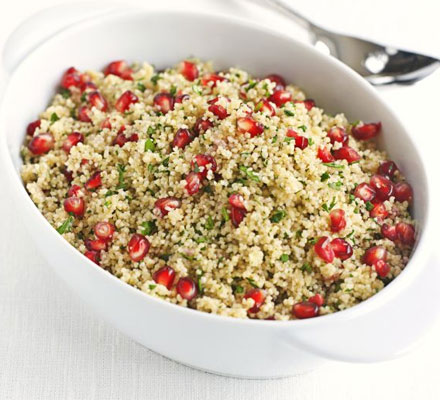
(377, 329)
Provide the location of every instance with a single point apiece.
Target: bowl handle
(382, 334)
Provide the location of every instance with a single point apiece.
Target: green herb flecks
(303, 128)
(225, 214)
(335, 185)
(325, 176)
(284, 258)
(259, 106)
(155, 78)
(173, 90)
(277, 216)
(66, 226)
(149, 145)
(148, 228)
(166, 161)
(151, 286)
(141, 86)
(238, 289)
(252, 283)
(54, 118)
(306, 267)
(334, 165)
(65, 93)
(209, 225)
(249, 173)
(328, 208)
(369, 205)
(289, 113)
(251, 85)
(121, 178)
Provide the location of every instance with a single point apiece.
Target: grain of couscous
(219, 191)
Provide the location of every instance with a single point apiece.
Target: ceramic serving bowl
(380, 328)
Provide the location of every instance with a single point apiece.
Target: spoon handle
(287, 9)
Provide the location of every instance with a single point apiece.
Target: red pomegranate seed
(74, 205)
(67, 174)
(237, 215)
(166, 204)
(389, 232)
(337, 220)
(41, 144)
(74, 191)
(202, 125)
(364, 192)
(106, 124)
(71, 78)
(182, 138)
(366, 131)
(119, 68)
(165, 276)
(211, 80)
(266, 107)
(104, 230)
(305, 309)
(300, 141)
(318, 299)
(347, 153)
(87, 87)
(93, 256)
(308, 103)
(279, 81)
(164, 102)
(341, 248)
(124, 102)
(202, 161)
(31, 128)
(181, 98)
(388, 169)
(236, 200)
(120, 140)
(193, 182)
(383, 187)
(324, 250)
(379, 211)
(84, 161)
(217, 109)
(189, 70)
(337, 134)
(72, 140)
(84, 114)
(280, 97)
(405, 233)
(94, 181)
(95, 244)
(134, 137)
(324, 155)
(249, 125)
(98, 101)
(138, 247)
(382, 268)
(374, 254)
(403, 192)
(187, 288)
(258, 296)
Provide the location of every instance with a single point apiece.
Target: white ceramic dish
(380, 328)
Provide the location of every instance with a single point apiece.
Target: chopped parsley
(274, 139)
(65, 93)
(252, 283)
(225, 214)
(196, 89)
(238, 289)
(327, 208)
(66, 226)
(306, 267)
(324, 177)
(54, 118)
(259, 106)
(209, 223)
(277, 216)
(173, 90)
(302, 127)
(335, 185)
(155, 78)
(201, 239)
(251, 85)
(121, 178)
(334, 165)
(289, 113)
(250, 174)
(311, 142)
(149, 145)
(165, 161)
(351, 198)
(284, 258)
(141, 86)
(369, 205)
(148, 228)
(151, 286)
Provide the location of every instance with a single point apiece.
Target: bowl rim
(372, 303)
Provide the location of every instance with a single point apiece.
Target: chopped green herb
(356, 210)
(289, 113)
(251, 174)
(335, 185)
(121, 178)
(306, 267)
(66, 226)
(355, 123)
(351, 198)
(155, 78)
(199, 283)
(327, 208)
(274, 139)
(369, 205)
(277, 216)
(173, 90)
(225, 214)
(298, 234)
(150, 168)
(251, 85)
(84, 97)
(148, 228)
(238, 289)
(150, 130)
(311, 142)
(209, 223)
(165, 161)
(109, 193)
(151, 286)
(349, 235)
(141, 86)
(196, 89)
(334, 165)
(252, 283)
(312, 240)
(284, 258)
(187, 257)
(65, 93)
(165, 257)
(54, 118)
(200, 240)
(303, 128)
(196, 167)
(149, 145)
(324, 177)
(259, 106)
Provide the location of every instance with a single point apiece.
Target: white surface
(52, 347)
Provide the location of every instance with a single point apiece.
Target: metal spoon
(378, 64)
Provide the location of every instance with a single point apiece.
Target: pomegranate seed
(181, 98)
(164, 102)
(125, 101)
(67, 174)
(106, 124)
(182, 138)
(305, 309)
(138, 247)
(324, 249)
(217, 109)
(237, 215)
(202, 161)
(74, 205)
(364, 192)
(104, 230)
(189, 70)
(347, 153)
(266, 107)
(405, 233)
(41, 143)
(211, 80)
(187, 288)
(120, 140)
(31, 128)
(249, 125)
(337, 220)
(279, 81)
(341, 248)
(71, 78)
(258, 296)
(165, 276)
(379, 211)
(202, 125)
(166, 204)
(389, 232)
(337, 134)
(95, 244)
(374, 254)
(383, 187)
(83, 114)
(308, 103)
(324, 155)
(84, 161)
(72, 140)
(74, 191)
(119, 68)
(382, 268)
(366, 131)
(388, 169)
(94, 181)
(280, 97)
(133, 137)
(403, 192)
(97, 100)
(193, 182)
(300, 141)
(318, 299)
(236, 200)
(92, 256)
(87, 87)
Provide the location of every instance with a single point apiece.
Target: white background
(53, 347)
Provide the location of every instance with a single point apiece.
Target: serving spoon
(378, 64)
